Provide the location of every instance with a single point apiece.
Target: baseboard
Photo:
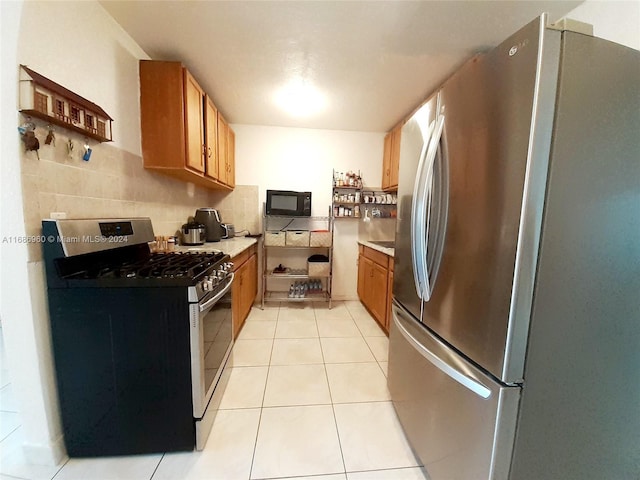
(52, 454)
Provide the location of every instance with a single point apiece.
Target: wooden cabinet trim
(194, 122)
(245, 287)
(240, 259)
(378, 257)
(211, 138)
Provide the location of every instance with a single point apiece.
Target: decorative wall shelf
(45, 99)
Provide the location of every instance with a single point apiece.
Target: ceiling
(374, 61)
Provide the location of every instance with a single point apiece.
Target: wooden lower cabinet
(387, 323)
(244, 288)
(374, 285)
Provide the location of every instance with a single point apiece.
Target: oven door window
(211, 337)
(217, 336)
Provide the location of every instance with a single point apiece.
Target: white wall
(82, 48)
(303, 159)
(31, 379)
(617, 21)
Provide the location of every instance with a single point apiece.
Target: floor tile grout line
(64, 464)
(13, 476)
(255, 442)
(335, 421)
(11, 432)
(264, 392)
(157, 466)
(333, 410)
(262, 406)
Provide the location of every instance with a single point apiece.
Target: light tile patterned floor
(306, 398)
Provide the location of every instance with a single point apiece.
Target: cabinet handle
(210, 152)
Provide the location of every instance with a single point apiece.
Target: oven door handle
(209, 303)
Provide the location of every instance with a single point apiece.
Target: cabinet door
(394, 164)
(162, 121)
(387, 322)
(211, 140)
(231, 157)
(237, 301)
(223, 136)
(252, 282)
(386, 160)
(377, 288)
(194, 123)
(362, 276)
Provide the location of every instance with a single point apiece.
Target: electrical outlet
(58, 215)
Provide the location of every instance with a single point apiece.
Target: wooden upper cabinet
(211, 141)
(179, 125)
(194, 122)
(223, 135)
(226, 152)
(386, 161)
(395, 157)
(391, 159)
(231, 157)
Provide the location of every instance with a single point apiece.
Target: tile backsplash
(377, 229)
(113, 183)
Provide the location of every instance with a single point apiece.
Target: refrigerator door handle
(418, 215)
(447, 367)
(422, 217)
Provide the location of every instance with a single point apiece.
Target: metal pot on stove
(193, 233)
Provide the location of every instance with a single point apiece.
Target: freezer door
(490, 108)
(459, 421)
(414, 142)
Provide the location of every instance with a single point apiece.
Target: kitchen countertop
(387, 251)
(232, 246)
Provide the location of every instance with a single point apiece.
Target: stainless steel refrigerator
(515, 342)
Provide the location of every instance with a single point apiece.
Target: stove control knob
(205, 285)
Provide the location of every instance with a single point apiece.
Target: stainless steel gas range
(140, 339)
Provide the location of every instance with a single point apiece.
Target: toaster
(228, 230)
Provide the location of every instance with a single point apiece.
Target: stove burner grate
(157, 265)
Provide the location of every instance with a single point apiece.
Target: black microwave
(286, 202)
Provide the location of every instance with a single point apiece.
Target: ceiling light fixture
(300, 99)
